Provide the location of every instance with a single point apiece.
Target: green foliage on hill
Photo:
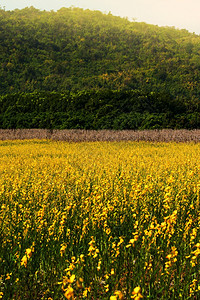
(57, 54)
(102, 109)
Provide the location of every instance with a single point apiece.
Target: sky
(182, 14)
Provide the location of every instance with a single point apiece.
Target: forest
(78, 68)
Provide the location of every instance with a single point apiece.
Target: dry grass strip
(78, 135)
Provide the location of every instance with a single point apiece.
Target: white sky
(179, 13)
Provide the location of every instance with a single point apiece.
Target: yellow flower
(79, 283)
(24, 261)
(82, 257)
(8, 276)
(112, 272)
(119, 294)
(71, 280)
(136, 293)
(113, 298)
(62, 249)
(29, 252)
(85, 292)
(136, 290)
(69, 293)
(106, 287)
(120, 242)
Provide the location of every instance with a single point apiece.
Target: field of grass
(99, 220)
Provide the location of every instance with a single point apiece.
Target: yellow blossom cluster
(100, 220)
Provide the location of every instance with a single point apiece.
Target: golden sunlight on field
(99, 220)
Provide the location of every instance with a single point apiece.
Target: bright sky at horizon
(182, 14)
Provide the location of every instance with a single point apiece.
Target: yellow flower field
(99, 220)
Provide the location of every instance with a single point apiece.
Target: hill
(73, 50)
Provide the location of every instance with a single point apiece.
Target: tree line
(96, 109)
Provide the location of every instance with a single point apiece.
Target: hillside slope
(75, 49)
(84, 69)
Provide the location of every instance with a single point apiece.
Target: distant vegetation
(84, 69)
(102, 109)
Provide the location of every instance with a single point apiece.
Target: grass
(79, 135)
